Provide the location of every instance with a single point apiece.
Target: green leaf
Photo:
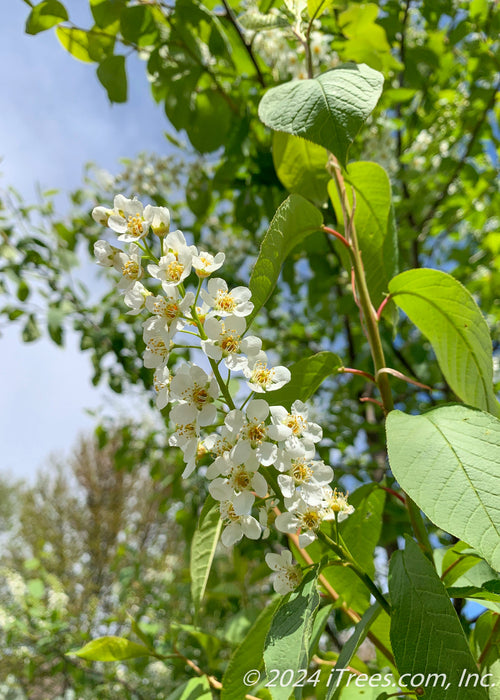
(203, 547)
(307, 376)
(194, 689)
(23, 290)
(366, 40)
(374, 221)
(315, 8)
(45, 15)
(288, 641)
(301, 166)
(351, 646)
(137, 24)
(328, 110)
(209, 121)
(257, 21)
(111, 649)
(54, 325)
(485, 641)
(426, 634)
(76, 42)
(447, 461)
(448, 316)
(248, 655)
(295, 219)
(112, 75)
(106, 12)
(31, 331)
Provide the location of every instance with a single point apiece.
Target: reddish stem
(382, 306)
(379, 403)
(349, 370)
(338, 235)
(394, 493)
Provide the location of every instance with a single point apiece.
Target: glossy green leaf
(295, 219)
(112, 75)
(447, 461)
(448, 316)
(485, 642)
(351, 646)
(288, 640)
(374, 221)
(203, 547)
(111, 649)
(366, 40)
(45, 15)
(307, 376)
(248, 655)
(301, 166)
(106, 12)
(195, 689)
(315, 8)
(137, 24)
(426, 634)
(328, 110)
(76, 42)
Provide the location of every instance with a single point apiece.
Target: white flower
(235, 510)
(301, 515)
(335, 504)
(205, 264)
(224, 302)
(261, 378)
(219, 445)
(160, 219)
(193, 386)
(162, 379)
(101, 215)
(252, 433)
(104, 252)
(186, 434)
(310, 476)
(129, 266)
(129, 219)
(172, 268)
(296, 421)
(225, 341)
(158, 340)
(288, 575)
(175, 243)
(136, 297)
(171, 308)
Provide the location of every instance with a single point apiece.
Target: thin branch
(248, 47)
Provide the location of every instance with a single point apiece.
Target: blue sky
(56, 117)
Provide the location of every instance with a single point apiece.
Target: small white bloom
(160, 219)
(129, 266)
(225, 342)
(193, 386)
(301, 515)
(206, 264)
(252, 434)
(175, 243)
(135, 298)
(224, 302)
(172, 307)
(162, 379)
(288, 575)
(311, 476)
(172, 268)
(101, 215)
(128, 219)
(105, 253)
(158, 341)
(235, 509)
(261, 378)
(296, 421)
(186, 435)
(335, 504)
(219, 445)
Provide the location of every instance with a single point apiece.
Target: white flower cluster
(257, 453)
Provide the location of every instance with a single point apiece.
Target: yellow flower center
(301, 472)
(188, 430)
(230, 343)
(198, 395)
(135, 225)
(224, 302)
(256, 432)
(310, 519)
(240, 479)
(157, 347)
(261, 375)
(338, 502)
(295, 423)
(131, 270)
(174, 271)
